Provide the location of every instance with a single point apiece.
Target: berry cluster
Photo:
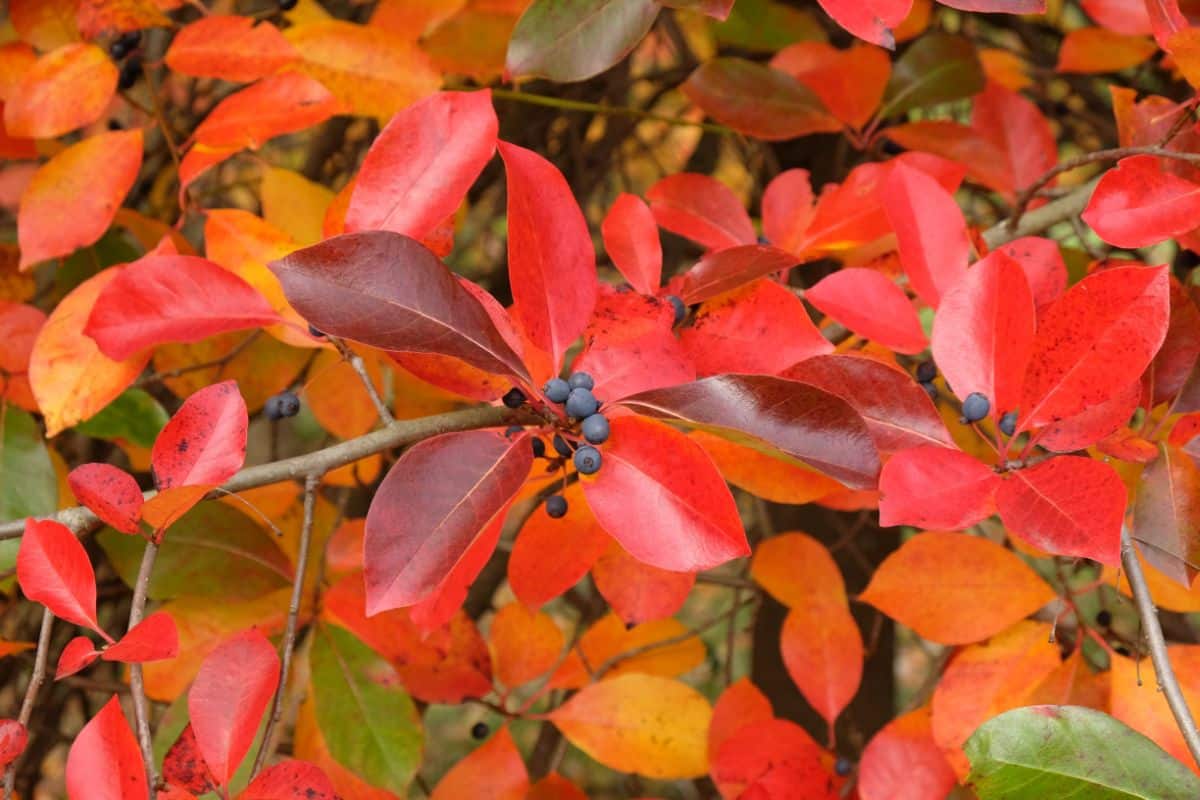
(131, 70)
(974, 408)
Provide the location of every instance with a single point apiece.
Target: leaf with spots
(110, 493)
(290, 780)
(185, 767)
(204, 444)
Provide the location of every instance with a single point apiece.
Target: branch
(1041, 218)
(35, 684)
(137, 686)
(401, 433)
(360, 369)
(1167, 681)
(598, 108)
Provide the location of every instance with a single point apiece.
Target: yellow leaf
(294, 204)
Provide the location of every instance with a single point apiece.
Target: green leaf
(28, 485)
(572, 40)
(368, 721)
(134, 416)
(1039, 752)
(764, 26)
(937, 68)
(213, 551)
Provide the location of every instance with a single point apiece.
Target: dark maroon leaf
(1166, 514)
(1179, 351)
(184, 766)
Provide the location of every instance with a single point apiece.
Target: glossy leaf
(420, 166)
(1138, 204)
(936, 68)
(772, 477)
(54, 570)
(552, 555)
(1043, 751)
(757, 100)
(66, 88)
(110, 493)
(388, 291)
(871, 21)
(171, 298)
(639, 592)
(525, 644)
(1068, 505)
(551, 263)
(772, 758)
(953, 588)
(465, 480)
(494, 770)
(1123, 16)
(639, 723)
(230, 48)
(280, 104)
(153, 639)
(902, 762)
(728, 269)
(438, 607)
(85, 183)
(687, 520)
(1166, 514)
(204, 444)
(872, 305)
(104, 762)
(702, 209)
(930, 232)
(936, 488)
(631, 241)
(1166, 19)
(232, 690)
(290, 780)
(575, 40)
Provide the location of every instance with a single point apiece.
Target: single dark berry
(562, 447)
(288, 5)
(680, 308)
(131, 70)
(125, 44)
(515, 398)
(539, 447)
(512, 430)
(480, 729)
(931, 390)
(581, 403)
(926, 371)
(556, 390)
(1008, 423)
(587, 460)
(556, 506)
(975, 407)
(595, 429)
(843, 766)
(630, 626)
(1104, 618)
(114, 125)
(763, 240)
(581, 380)
(315, 332)
(117, 50)
(284, 404)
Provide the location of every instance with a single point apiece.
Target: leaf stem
(35, 684)
(597, 108)
(360, 369)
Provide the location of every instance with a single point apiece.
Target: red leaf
(13, 737)
(165, 298)
(999, 6)
(935, 488)
(787, 209)
(1043, 264)
(702, 209)
(290, 780)
(761, 328)
(1166, 514)
(872, 306)
(78, 654)
(389, 291)
(930, 232)
(20, 326)
(555, 787)
(802, 421)
(184, 766)
(493, 770)
(870, 20)
(1181, 347)
(772, 759)
(204, 444)
(1018, 131)
(1138, 204)
(660, 496)
(902, 762)
(551, 263)
(153, 639)
(1092, 424)
(631, 240)
(1166, 19)
(1094, 341)
(849, 82)
(104, 762)
(110, 493)
(741, 704)
(439, 606)
(284, 103)
(898, 412)
(552, 555)
(228, 697)
(732, 267)
(983, 333)
(636, 591)
(419, 168)
(849, 214)
(230, 48)
(1122, 16)
(1068, 505)
(53, 569)
(464, 481)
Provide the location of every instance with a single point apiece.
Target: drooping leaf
(1138, 204)
(85, 183)
(639, 723)
(54, 570)
(551, 263)
(756, 100)
(525, 644)
(869, 303)
(631, 241)
(494, 770)
(772, 758)
(800, 420)
(204, 444)
(1045, 751)
(465, 480)
(552, 555)
(1166, 514)
(171, 298)
(728, 269)
(66, 88)
(936, 488)
(420, 166)
(111, 493)
(638, 592)
(290, 780)
(575, 40)
(104, 762)
(936, 68)
(702, 209)
(388, 291)
(902, 762)
(772, 477)
(930, 232)
(280, 104)
(153, 639)
(230, 48)
(232, 690)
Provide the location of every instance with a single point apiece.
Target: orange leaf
(230, 48)
(636, 591)
(274, 106)
(1072, 683)
(1092, 50)
(849, 82)
(633, 650)
(639, 723)
(494, 771)
(19, 326)
(552, 555)
(764, 476)
(738, 706)
(294, 204)
(1005, 68)
(793, 567)
(74, 196)
(45, 24)
(117, 16)
(474, 42)
(337, 396)
(261, 367)
(16, 58)
(412, 19)
(370, 70)
(66, 89)
(1166, 592)
(525, 644)
(954, 588)
(1139, 703)
(70, 377)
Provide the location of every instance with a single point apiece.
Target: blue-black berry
(562, 447)
(315, 332)
(1104, 618)
(539, 447)
(556, 390)
(581, 403)
(512, 430)
(131, 70)
(288, 5)
(556, 506)
(581, 380)
(480, 729)
(931, 390)
(125, 44)
(595, 429)
(515, 398)
(843, 766)
(284, 404)
(587, 460)
(926, 371)
(680, 308)
(1008, 423)
(975, 407)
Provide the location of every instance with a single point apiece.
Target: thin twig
(137, 686)
(1041, 218)
(1167, 681)
(597, 108)
(360, 369)
(289, 635)
(35, 684)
